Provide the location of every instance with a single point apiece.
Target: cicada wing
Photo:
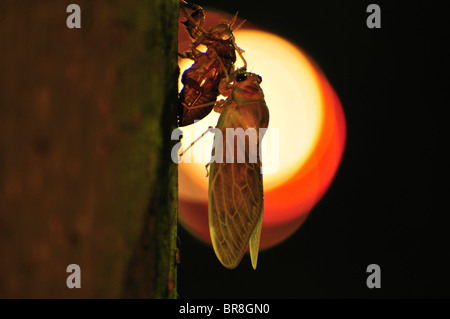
(235, 210)
(254, 241)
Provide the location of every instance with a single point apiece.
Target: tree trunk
(86, 176)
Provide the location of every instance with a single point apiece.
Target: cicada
(236, 196)
(201, 80)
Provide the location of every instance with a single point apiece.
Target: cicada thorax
(243, 115)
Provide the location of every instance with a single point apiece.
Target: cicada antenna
(234, 20)
(239, 25)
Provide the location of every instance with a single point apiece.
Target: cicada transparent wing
(235, 211)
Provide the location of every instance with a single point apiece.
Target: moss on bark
(85, 170)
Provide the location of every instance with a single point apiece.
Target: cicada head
(246, 87)
(221, 40)
(222, 31)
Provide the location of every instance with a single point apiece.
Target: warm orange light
(311, 125)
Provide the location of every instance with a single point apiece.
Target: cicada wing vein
(235, 210)
(254, 241)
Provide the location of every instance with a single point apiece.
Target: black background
(381, 207)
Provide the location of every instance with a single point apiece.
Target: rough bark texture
(85, 170)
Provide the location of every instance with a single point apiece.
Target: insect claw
(206, 166)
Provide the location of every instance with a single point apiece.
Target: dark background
(381, 207)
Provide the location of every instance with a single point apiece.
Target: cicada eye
(241, 77)
(225, 36)
(259, 78)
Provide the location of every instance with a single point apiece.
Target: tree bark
(86, 176)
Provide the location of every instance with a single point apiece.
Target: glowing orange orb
(301, 158)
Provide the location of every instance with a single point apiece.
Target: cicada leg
(199, 106)
(235, 28)
(183, 56)
(225, 85)
(210, 129)
(207, 169)
(227, 76)
(220, 105)
(193, 54)
(239, 52)
(222, 66)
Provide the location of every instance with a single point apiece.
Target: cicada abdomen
(202, 79)
(236, 195)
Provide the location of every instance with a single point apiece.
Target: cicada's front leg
(207, 169)
(220, 105)
(193, 54)
(225, 85)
